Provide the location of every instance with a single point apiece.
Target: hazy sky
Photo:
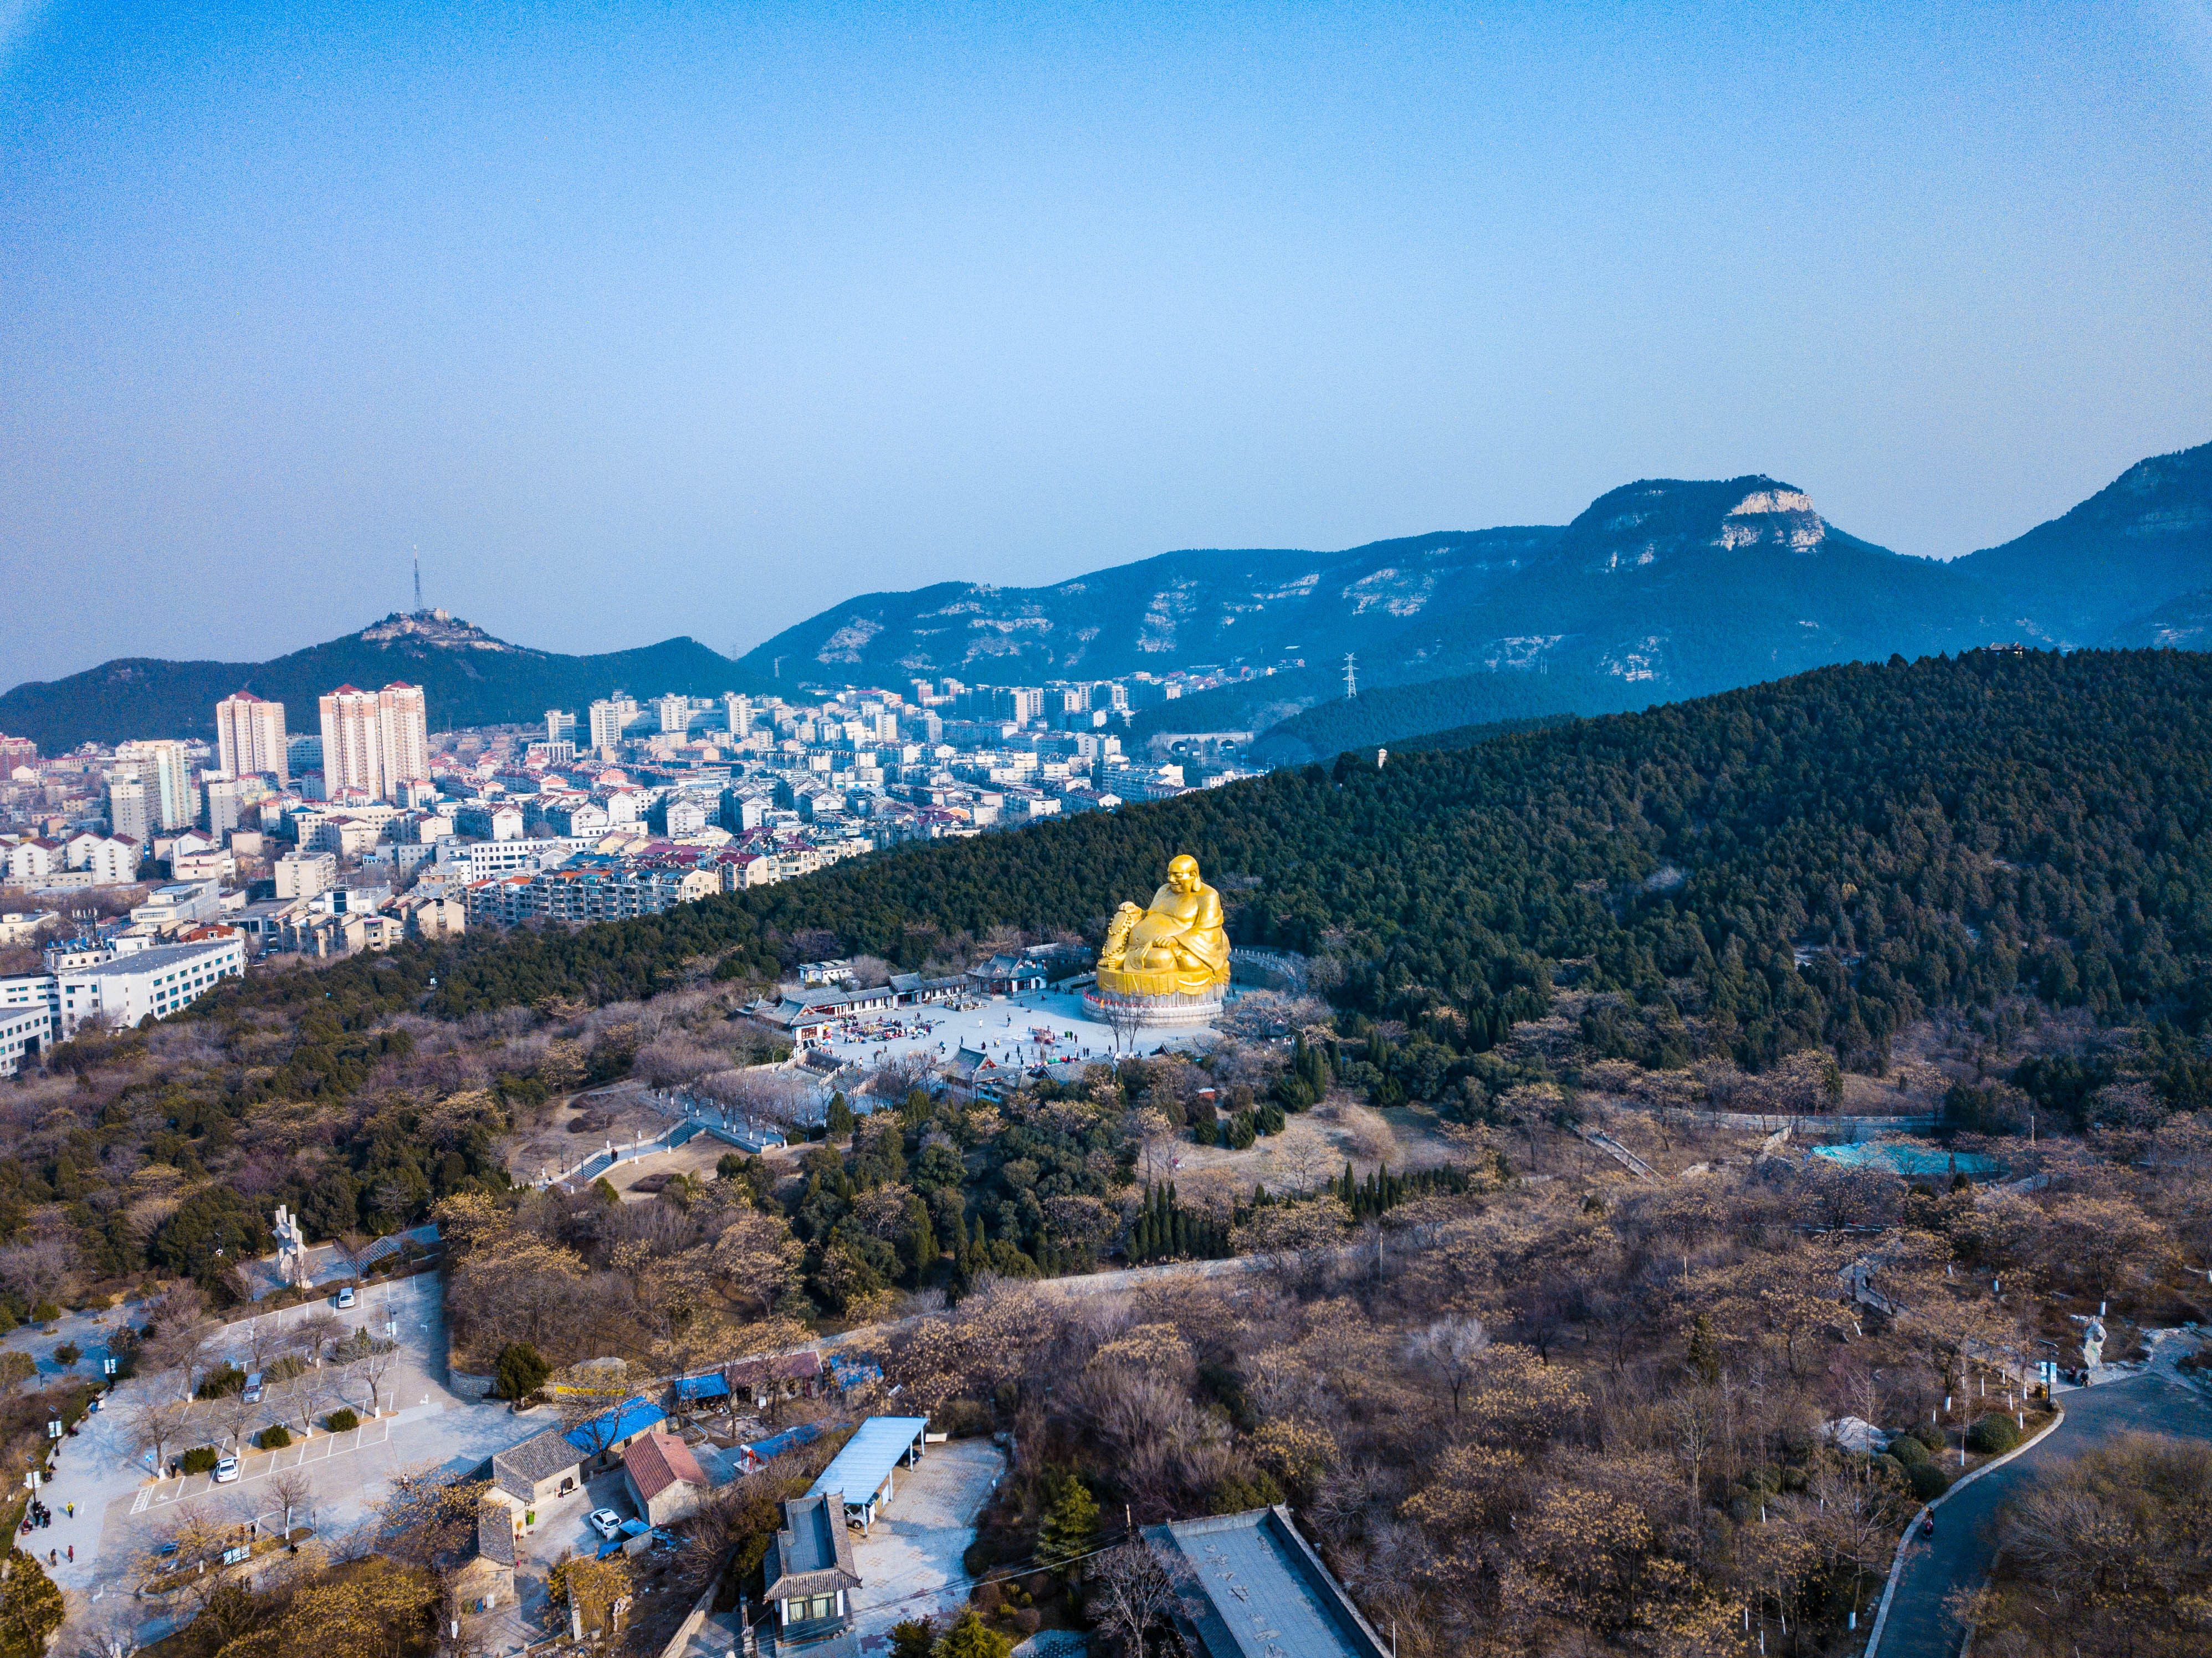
(657, 318)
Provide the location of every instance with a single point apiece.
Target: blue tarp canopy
(789, 1439)
(626, 1421)
(877, 1446)
(1910, 1161)
(713, 1385)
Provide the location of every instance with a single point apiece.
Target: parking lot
(122, 1513)
(910, 1561)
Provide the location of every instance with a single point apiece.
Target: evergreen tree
(971, 1637)
(840, 1120)
(1070, 1528)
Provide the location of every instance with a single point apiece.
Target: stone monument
(1167, 964)
(291, 1251)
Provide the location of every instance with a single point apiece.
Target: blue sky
(642, 320)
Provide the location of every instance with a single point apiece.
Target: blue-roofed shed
(602, 1439)
(865, 1470)
(756, 1454)
(690, 1389)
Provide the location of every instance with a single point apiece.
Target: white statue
(2093, 1343)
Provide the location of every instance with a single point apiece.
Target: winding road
(1958, 1555)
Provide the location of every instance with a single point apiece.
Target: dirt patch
(616, 1113)
(1312, 1149)
(641, 1179)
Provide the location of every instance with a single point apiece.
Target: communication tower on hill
(418, 581)
(1351, 677)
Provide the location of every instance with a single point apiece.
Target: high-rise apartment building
(353, 743)
(560, 727)
(738, 714)
(374, 740)
(249, 736)
(165, 770)
(405, 718)
(675, 714)
(130, 806)
(610, 716)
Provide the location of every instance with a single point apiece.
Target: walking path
(1958, 1556)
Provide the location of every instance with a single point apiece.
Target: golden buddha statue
(1176, 948)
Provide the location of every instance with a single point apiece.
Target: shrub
(519, 1372)
(1908, 1450)
(1029, 1620)
(1993, 1435)
(274, 1437)
(1929, 1436)
(68, 1354)
(199, 1458)
(963, 1419)
(44, 1312)
(912, 1638)
(1888, 1468)
(342, 1420)
(220, 1384)
(1929, 1480)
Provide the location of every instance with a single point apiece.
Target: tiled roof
(659, 1460)
(519, 1467)
(495, 1535)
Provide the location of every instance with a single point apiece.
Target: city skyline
(813, 304)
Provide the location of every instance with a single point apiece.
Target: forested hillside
(1952, 831)
(1395, 714)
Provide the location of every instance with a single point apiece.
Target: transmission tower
(1351, 677)
(419, 581)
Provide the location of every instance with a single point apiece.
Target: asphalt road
(1958, 1555)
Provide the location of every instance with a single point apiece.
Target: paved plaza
(1042, 1028)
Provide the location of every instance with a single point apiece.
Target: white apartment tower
(737, 712)
(608, 717)
(164, 771)
(249, 734)
(405, 718)
(675, 714)
(374, 740)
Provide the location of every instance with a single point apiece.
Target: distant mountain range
(468, 678)
(1661, 589)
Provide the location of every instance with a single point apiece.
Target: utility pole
(418, 580)
(1350, 678)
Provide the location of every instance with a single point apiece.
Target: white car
(605, 1521)
(346, 1298)
(226, 1471)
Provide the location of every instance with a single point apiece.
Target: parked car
(253, 1388)
(605, 1521)
(346, 1298)
(226, 1471)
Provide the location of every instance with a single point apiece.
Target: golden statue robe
(1178, 947)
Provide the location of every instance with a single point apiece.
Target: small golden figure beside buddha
(1176, 948)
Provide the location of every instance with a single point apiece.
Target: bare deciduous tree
(1133, 1591)
(1450, 1350)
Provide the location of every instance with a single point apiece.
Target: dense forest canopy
(1818, 860)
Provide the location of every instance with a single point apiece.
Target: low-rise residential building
(664, 1479)
(25, 1030)
(304, 874)
(486, 1581)
(121, 992)
(809, 1571)
(21, 926)
(542, 1469)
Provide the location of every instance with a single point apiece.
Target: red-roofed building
(664, 1479)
